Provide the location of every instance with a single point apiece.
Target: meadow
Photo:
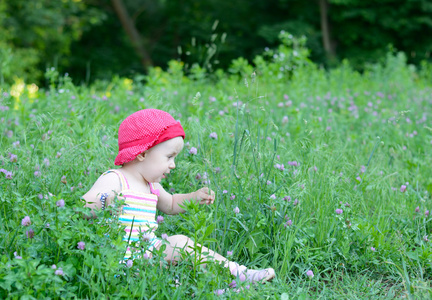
(323, 175)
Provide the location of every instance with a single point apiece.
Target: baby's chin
(157, 180)
(153, 180)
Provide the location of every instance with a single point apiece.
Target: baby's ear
(141, 156)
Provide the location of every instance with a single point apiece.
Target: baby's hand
(205, 196)
(111, 202)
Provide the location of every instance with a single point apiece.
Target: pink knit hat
(144, 129)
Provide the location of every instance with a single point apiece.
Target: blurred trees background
(92, 39)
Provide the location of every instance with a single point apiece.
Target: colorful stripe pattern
(138, 214)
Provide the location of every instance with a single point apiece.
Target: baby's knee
(178, 237)
(179, 240)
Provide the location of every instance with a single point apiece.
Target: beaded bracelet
(103, 199)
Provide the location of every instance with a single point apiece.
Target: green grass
(348, 132)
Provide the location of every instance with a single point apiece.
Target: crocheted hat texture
(145, 129)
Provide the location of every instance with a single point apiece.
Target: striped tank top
(138, 214)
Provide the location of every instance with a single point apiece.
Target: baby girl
(149, 141)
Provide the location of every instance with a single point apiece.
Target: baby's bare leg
(178, 243)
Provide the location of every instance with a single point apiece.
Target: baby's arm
(109, 184)
(169, 204)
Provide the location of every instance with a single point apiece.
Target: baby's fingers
(211, 197)
(205, 199)
(208, 191)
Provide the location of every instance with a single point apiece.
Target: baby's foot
(260, 275)
(251, 275)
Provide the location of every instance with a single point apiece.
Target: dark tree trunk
(325, 30)
(132, 32)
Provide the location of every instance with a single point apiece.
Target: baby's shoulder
(108, 181)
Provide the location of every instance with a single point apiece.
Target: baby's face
(159, 160)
